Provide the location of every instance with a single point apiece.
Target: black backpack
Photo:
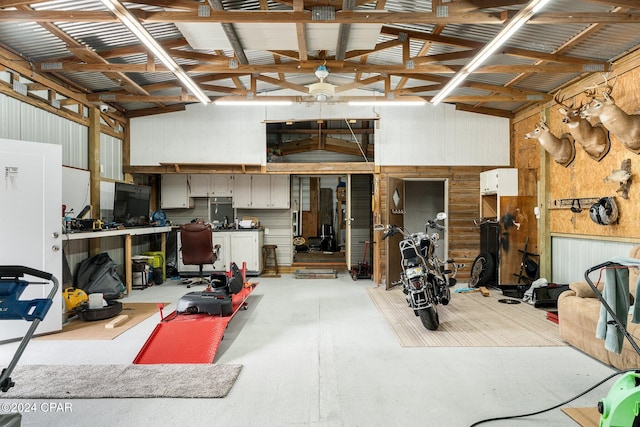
(98, 274)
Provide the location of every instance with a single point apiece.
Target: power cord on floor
(558, 405)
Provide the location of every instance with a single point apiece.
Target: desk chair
(197, 249)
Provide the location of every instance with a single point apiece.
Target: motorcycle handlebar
(434, 225)
(390, 232)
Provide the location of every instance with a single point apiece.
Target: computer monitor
(131, 204)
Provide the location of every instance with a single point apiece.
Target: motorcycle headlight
(413, 272)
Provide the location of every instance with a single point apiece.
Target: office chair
(197, 249)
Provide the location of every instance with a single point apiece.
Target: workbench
(127, 233)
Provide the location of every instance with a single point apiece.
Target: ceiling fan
(322, 90)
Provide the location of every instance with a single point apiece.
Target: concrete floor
(317, 352)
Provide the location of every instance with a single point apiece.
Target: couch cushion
(583, 290)
(577, 324)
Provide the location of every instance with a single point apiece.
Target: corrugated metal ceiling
(36, 44)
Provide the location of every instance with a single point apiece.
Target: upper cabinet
(175, 191)
(247, 191)
(261, 191)
(242, 191)
(503, 182)
(280, 191)
(494, 184)
(210, 185)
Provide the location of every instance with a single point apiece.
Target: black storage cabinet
(490, 244)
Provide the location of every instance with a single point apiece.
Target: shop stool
(269, 251)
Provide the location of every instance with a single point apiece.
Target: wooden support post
(94, 172)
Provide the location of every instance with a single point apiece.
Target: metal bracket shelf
(578, 203)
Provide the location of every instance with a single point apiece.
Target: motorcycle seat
(412, 262)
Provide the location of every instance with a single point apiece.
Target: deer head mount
(625, 127)
(594, 140)
(562, 150)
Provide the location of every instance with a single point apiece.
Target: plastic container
(96, 301)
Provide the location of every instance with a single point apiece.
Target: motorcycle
(425, 279)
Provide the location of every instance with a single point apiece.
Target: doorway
(323, 211)
(423, 200)
(411, 203)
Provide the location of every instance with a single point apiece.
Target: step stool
(269, 251)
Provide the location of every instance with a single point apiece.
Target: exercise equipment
(12, 285)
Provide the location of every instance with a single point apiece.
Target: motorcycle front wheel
(429, 317)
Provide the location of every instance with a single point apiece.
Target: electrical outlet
(266, 231)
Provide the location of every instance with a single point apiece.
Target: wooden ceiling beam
(345, 68)
(283, 84)
(88, 55)
(582, 35)
(233, 17)
(379, 47)
(301, 33)
(230, 32)
(347, 17)
(359, 83)
(314, 131)
(616, 3)
(124, 98)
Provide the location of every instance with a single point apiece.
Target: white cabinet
(280, 191)
(261, 191)
(199, 185)
(242, 191)
(503, 182)
(494, 184)
(175, 191)
(246, 246)
(210, 185)
(221, 185)
(235, 246)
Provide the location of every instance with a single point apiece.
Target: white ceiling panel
(325, 36)
(204, 36)
(322, 36)
(264, 36)
(363, 36)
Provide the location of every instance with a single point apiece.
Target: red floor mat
(188, 338)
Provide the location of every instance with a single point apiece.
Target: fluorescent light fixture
(382, 102)
(129, 21)
(509, 30)
(251, 102)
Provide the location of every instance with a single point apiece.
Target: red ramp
(189, 338)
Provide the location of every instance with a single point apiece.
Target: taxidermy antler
(623, 126)
(594, 140)
(563, 149)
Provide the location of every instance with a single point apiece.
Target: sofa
(578, 314)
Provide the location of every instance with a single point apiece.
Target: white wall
(201, 134)
(24, 122)
(440, 136)
(407, 135)
(571, 257)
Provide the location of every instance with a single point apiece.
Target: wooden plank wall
(464, 207)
